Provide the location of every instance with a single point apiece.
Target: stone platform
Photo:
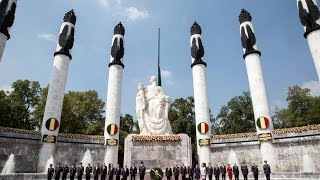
(157, 151)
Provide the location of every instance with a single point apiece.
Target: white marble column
(113, 101)
(308, 10)
(7, 22)
(201, 104)
(59, 75)
(258, 91)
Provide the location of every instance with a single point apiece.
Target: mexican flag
(263, 122)
(52, 124)
(112, 129)
(203, 128)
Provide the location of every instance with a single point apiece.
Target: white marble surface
(314, 44)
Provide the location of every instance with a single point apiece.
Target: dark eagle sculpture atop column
(66, 37)
(248, 38)
(117, 48)
(6, 18)
(309, 19)
(197, 50)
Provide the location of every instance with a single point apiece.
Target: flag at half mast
(159, 70)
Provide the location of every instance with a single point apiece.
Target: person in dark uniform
(50, 172)
(223, 171)
(235, 170)
(142, 171)
(96, 171)
(255, 171)
(117, 172)
(183, 170)
(104, 171)
(133, 172)
(216, 172)
(209, 171)
(73, 171)
(244, 171)
(65, 171)
(266, 169)
(189, 172)
(176, 172)
(58, 172)
(88, 171)
(125, 172)
(111, 172)
(168, 172)
(80, 171)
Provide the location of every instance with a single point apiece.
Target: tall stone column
(7, 13)
(62, 57)
(258, 91)
(112, 122)
(310, 19)
(201, 104)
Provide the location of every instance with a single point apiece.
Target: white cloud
(48, 37)
(6, 88)
(103, 2)
(166, 75)
(314, 87)
(134, 14)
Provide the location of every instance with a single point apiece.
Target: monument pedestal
(157, 151)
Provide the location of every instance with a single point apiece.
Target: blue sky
(286, 57)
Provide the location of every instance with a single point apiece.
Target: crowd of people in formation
(184, 172)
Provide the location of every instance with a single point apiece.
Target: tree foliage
(236, 117)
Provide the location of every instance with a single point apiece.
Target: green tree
(237, 116)
(5, 110)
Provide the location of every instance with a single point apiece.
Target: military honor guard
(216, 172)
(168, 172)
(223, 171)
(104, 171)
(73, 171)
(125, 172)
(96, 172)
(176, 172)
(133, 172)
(58, 172)
(255, 171)
(142, 171)
(235, 170)
(266, 170)
(50, 172)
(88, 171)
(244, 171)
(209, 171)
(110, 172)
(80, 171)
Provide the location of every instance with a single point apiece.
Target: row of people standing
(97, 171)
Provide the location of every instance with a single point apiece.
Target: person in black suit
(235, 170)
(223, 171)
(88, 171)
(125, 172)
(133, 172)
(111, 172)
(104, 171)
(255, 171)
(168, 172)
(189, 172)
(58, 172)
(96, 171)
(73, 170)
(50, 172)
(117, 172)
(216, 172)
(176, 172)
(65, 171)
(142, 171)
(266, 169)
(183, 170)
(209, 171)
(80, 171)
(244, 171)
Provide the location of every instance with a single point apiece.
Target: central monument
(156, 145)
(152, 107)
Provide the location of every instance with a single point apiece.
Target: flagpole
(159, 71)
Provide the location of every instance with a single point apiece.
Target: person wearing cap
(266, 169)
(50, 172)
(133, 172)
(80, 171)
(244, 171)
(142, 171)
